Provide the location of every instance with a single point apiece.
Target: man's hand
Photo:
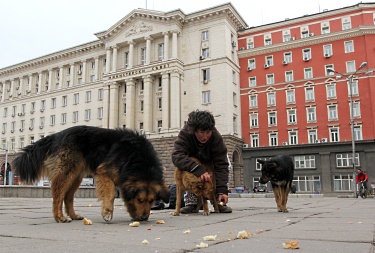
(222, 198)
(205, 177)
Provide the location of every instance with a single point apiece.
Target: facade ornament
(138, 28)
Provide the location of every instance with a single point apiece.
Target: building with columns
(146, 72)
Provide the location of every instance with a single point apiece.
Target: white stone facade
(146, 72)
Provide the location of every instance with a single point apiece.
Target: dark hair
(202, 120)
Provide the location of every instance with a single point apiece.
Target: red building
(290, 98)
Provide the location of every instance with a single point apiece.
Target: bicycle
(362, 190)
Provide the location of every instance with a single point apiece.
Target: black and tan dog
(279, 170)
(115, 157)
(186, 181)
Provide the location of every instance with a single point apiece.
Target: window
(161, 51)
(312, 135)
(100, 113)
(289, 76)
(87, 114)
(143, 55)
(273, 139)
(307, 183)
(76, 99)
(250, 44)
(309, 94)
(332, 112)
(64, 101)
(306, 54)
(350, 66)
(141, 105)
(349, 46)
(346, 159)
(354, 88)
(252, 81)
(4, 127)
(327, 50)
(22, 142)
(270, 79)
(88, 96)
(206, 97)
(92, 78)
(32, 123)
(43, 105)
(272, 119)
(33, 106)
(160, 103)
(286, 37)
(346, 24)
(206, 74)
(206, 52)
(269, 60)
(290, 96)
(93, 65)
(253, 101)
(204, 35)
(251, 64)
(268, 41)
(328, 73)
(141, 125)
(52, 120)
(293, 137)
(288, 57)
(75, 116)
(100, 94)
(63, 118)
(334, 134)
(5, 112)
(23, 108)
(42, 121)
(304, 161)
(325, 30)
(308, 73)
(126, 59)
(356, 110)
(292, 116)
(235, 99)
(254, 140)
(304, 34)
(271, 99)
(331, 91)
(13, 126)
(357, 133)
(253, 120)
(53, 103)
(343, 182)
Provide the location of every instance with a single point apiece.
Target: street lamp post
(350, 78)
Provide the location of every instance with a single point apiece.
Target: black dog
(279, 170)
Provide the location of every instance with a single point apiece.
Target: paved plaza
(325, 224)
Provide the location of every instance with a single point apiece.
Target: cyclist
(361, 177)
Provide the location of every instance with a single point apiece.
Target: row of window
(303, 32)
(312, 136)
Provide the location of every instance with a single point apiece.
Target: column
(30, 87)
(130, 103)
(61, 77)
(165, 100)
(131, 54)
(12, 89)
(108, 60)
(96, 78)
(166, 46)
(106, 105)
(113, 105)
(49, 80)
(326, 178)
(114, 63)
(20, 91)
(39, 84)
(72, 75)
(84, 71)
(4, 91)
(147, 103)
(148, 50)
(175, 99)
(174, 44)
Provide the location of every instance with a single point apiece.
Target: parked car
(260, 189)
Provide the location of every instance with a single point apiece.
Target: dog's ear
(261, 161)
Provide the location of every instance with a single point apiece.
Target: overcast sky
(33, 28)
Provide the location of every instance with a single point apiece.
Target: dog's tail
(28, 165)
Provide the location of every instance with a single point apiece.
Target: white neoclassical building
(146, 72)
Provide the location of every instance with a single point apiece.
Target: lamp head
(331, 70)
(363, 64)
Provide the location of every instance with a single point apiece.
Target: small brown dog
(186, 181)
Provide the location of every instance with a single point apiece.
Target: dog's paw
(107, 216)
(206, 213)
(285, 211)
(63, 219)
(77, 217)
(175, 213)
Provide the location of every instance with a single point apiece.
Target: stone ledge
(23, 191)
(271, 195)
